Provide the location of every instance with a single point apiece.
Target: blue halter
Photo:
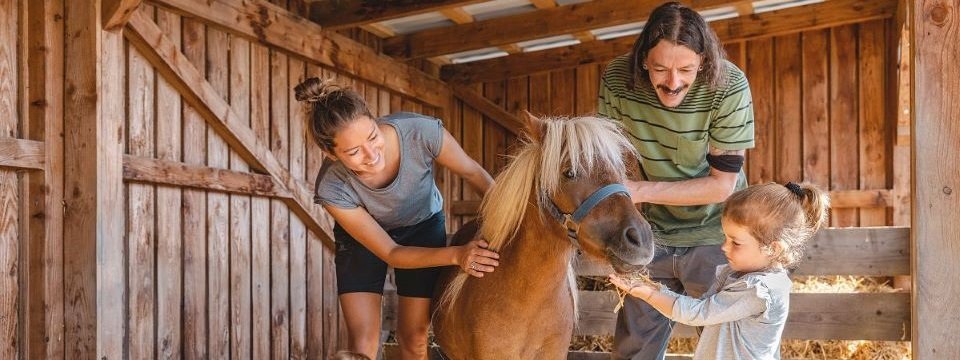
(572, 221)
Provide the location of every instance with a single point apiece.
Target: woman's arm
(359, 224)
(454, 158)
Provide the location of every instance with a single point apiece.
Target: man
(689, 113)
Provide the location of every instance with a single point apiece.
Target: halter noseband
(572, 221)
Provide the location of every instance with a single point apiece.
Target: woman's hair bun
(314, 89)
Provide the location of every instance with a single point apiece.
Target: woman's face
(359, 146)
(672, 68)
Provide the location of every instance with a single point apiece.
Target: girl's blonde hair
(785, 214)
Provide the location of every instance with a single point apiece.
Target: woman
(388, 211)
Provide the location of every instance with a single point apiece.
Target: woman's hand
(475, 259)
(638, 290)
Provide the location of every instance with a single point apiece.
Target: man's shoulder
(733, 76)
(617, 70)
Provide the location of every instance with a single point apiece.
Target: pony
(561, 193)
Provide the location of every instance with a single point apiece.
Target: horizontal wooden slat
(21, 154)
(542, 23)
(340, 14)
(792, 20)
(876, 251)
(488, 108)
(884, 317)
(593, 355)
(140, 169)
(271, 25)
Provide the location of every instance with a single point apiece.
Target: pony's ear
(533, 126)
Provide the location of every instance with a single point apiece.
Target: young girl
(744, 312)
(379, 187)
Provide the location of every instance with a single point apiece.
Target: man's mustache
(672, 91)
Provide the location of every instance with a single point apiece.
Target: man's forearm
(698, 191)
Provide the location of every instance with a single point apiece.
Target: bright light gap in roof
(772, 5)
(478, 57)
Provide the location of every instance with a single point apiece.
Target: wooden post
(936, 186)
(94, 274)
(11, 253)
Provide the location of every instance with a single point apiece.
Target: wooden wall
(11, 188)
(824, 103)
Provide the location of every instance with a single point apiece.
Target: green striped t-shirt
(673, 142)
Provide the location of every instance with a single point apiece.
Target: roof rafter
(542, 23)
(802, 18)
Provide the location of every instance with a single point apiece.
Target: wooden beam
(544, 4)
(744, 8)
(488, 108)
(378, 30)
(340, 14)
(936, 187)
(153, 171)
(163, 54)
(542, 23)
(21, 154)
(271, 25)
(457, 15)
(116, 13)
(803, 18)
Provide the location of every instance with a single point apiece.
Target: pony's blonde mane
(579, 144)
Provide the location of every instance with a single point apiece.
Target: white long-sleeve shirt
(743, 315)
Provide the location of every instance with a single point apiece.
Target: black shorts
(359, 270)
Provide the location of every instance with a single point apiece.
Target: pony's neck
(541, 253)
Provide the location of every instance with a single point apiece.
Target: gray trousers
(642, 332)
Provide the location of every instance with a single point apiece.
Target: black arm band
(726, 163)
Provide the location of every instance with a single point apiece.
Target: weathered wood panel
(874, 130)
(10, 253)
(279, 214)
(260, 207)
(218, 209)
(241, 302)
(844, 105)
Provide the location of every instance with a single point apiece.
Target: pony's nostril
(632, 236)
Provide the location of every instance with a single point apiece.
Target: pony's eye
(569, 174)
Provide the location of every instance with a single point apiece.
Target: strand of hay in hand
(640, 277)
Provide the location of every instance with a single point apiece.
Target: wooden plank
(315, 288)
(774, 23)
(453, 121)
(117, 12)
(194, 327)
(44, 297)
(140, 216)
(298, 233)
(587, 88)
(852, 316)
(214, 109)
(760, 160)
(169, 211)
(10, 252)
(279, 214)
(334, 15)
(788, 128)
(494, 139)
(241, 323)
(457, 15)
(270, 25)
(873, 128)
(562, 92)
(879, 251)
(512, 29)
(472, 143)
(260, 207)
(487, 108)
(935, 134)
(816, 104)
(218, 208)
(844, 107)
(539, 103)
(901, 146)
(21, 154)
(543, 4)
(172, 173)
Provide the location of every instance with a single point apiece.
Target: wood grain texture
(788, 148)
(10, 253)
(873, 128)
(279, 214)
(760, 160)
(333, 15)
(18, 154)
(844, 107)
(260, 207)
(816, 105)
(298, 233)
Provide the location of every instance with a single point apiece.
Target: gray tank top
(412, 196)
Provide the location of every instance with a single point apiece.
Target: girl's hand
(475, 259)
(640, 290)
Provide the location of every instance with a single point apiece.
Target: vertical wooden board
(410, 105)
(562, 93)
(816, 104)
(735, 54)
(760, 164)
(372, 96)
(280, 215)
(140, 209)
(453, 121)
(331, 304)
(873, 124)
(901, 148)
(194, 210)
(218, 210)
(936, 133)
(298, 232)
(315, 251)
(787, 68)
(169, 235)
(539, 94)
(260, 207)
(494, 139)
(518, 96)
(9, 185)
(396, 103)
(587, 89)
(844, 107)
(241, 324)
(472, 144)
(383, 102)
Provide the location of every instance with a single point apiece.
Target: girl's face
(743, 251)
(360, 146)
